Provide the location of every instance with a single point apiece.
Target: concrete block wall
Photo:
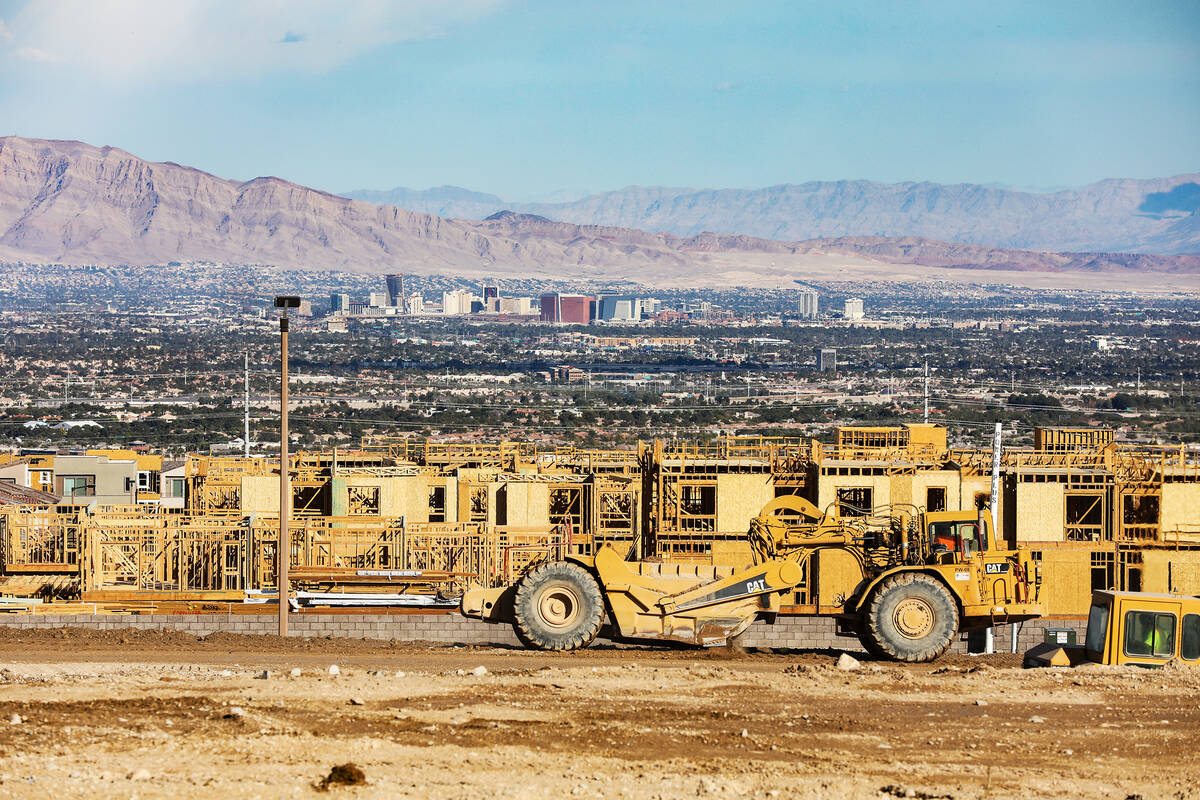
(788, 633)
(442, 628)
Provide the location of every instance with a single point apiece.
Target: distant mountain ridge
(1160, 215)
(70, 202)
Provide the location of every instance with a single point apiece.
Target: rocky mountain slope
(75, 203)
(70, 202)
(1147, 216)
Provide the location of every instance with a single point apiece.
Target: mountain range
(70, 202)
(1161, 215)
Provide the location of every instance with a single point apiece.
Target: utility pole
(283, 548)
(994, 502)
(246, 404)
(926, 416)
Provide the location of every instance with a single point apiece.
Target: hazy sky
(527, 98)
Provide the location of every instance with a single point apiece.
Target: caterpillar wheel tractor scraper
(903, 580)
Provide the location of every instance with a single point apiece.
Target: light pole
(283, 548)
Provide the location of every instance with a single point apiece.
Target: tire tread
(527, 630)
(876, 637)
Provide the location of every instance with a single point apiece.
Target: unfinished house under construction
(415, 522)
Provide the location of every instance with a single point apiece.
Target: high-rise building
(339, 303)
(854, 309)
(415, 304)
(618, 308)
(395, 290)
(377, 299)
(568, 308)
(521, 306)
(456, 302)
(490, 293)
(808, 304)
(826, 359)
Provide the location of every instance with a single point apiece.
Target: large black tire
(557, 606)
(910, 617)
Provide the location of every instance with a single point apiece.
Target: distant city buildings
(457, 301)
(853, 309)
(395, 290)
(826, 359)
(808, 304)
(573, 309)
(618, 308)
(553, 307)
(516, 306)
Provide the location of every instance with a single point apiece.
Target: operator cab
(1144, 629)
(952, 534)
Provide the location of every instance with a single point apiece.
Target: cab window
(1097, 629)
(1189, 642)
(951, 537)
(1149, 635)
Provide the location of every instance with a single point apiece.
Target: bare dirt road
(147, 714)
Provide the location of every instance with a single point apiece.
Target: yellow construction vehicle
(902, 579)
(1141, 628)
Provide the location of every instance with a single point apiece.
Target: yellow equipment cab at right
(1139, 628)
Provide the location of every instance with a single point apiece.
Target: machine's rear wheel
(557, 606)
(910, 617)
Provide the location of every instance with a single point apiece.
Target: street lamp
(283, 548)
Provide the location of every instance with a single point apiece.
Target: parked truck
(904, 580)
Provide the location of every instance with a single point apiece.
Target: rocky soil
(143, 714)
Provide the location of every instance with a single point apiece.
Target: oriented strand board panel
(913, 489)
(1066, 581)
(260, 494)
(732, 554)
(1180, 508)
(1041, 512)
(399, 495)
(527, 504)
(881, 486)
(740, 498)
(1171, 571)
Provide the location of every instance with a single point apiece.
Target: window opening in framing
(1103, 571)
(855, 501)
(363, 501)
(698, 507)
(1085, 517)
(437, 503)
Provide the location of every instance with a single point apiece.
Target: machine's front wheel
(557, 606)
(910, 617)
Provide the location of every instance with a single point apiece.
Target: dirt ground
(146, 714)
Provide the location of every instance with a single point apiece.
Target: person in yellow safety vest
(1148, 638)
(1164, 635)
(1159, 635)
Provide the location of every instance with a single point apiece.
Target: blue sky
(526, 99)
